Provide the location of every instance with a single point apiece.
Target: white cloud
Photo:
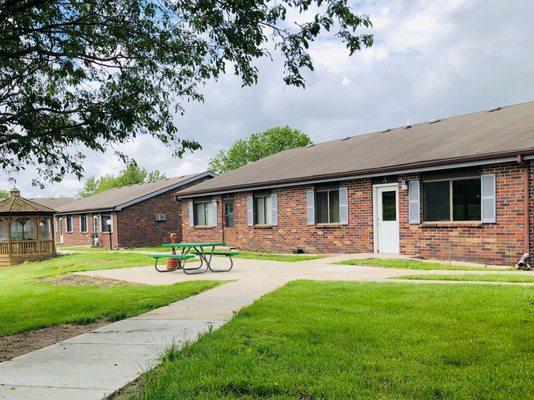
(430, 59)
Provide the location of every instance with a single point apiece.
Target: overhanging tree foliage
(130, 175)
(99, 72)
(257, 146)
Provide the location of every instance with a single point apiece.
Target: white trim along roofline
(141, 198)
(351, 177)
(81, 212)
(166, 189)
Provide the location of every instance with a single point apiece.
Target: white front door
(386, 219)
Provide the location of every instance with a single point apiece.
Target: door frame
(375, 211)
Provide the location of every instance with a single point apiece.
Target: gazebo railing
(27, 247)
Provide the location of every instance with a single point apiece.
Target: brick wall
(292, 230)
(499, 243)
(77, 238)
(138, 225)
(531, 207)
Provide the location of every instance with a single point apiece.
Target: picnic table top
(193, 244)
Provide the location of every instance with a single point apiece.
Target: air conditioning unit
(161, 217)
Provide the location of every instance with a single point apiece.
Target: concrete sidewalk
(93, 365)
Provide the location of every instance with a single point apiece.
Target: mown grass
(341, 340)
(518, 278)
(250, 255)
(413, 264)
(28, 300)
(253, 255)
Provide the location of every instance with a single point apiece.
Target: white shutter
(274, 206)
(191, 216)
(310, 206)
(488, 208)
(214, 212)
(414, 189)
(250, 211)
(343, 206)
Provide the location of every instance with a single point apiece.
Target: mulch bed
(81, 280)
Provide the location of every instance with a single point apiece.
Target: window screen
(437, 201)
(466, 200)
(327, 206)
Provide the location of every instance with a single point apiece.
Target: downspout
(527, 207)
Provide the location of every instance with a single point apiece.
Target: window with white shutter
(488, 208)
(414, 189)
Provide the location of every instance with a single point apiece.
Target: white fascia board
(166, 189)
(81, 212)
(466, 164)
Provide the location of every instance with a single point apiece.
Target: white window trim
(328, 206)
(206, 212)
(86, 224)
(67, 224)
(254, 209)
(102, 230)
(451, 205)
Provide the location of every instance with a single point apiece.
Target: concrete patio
(96, 364)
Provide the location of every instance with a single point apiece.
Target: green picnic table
(204, 250)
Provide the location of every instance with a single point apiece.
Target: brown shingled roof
(19, 205)
(502, 132)
(123, 196)
(53, 202)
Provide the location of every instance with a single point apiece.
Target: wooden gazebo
(26, 230)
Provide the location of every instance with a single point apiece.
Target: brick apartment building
(141, 215)
(460, 188)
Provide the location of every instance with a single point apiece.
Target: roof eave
(457, 162)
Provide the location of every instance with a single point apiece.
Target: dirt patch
(80, 280)
(127, 391)
(22, 343)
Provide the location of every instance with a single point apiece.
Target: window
(327, 206)
(203, 213)
(263, 209)
(389, 206)
(104, 218)
(452, 200)
(83, 223)
(69, 224)
(229, 220)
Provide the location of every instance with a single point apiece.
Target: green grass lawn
(518, 278)
(86, 249)
(251, 255)
(342, 340)
(412, 264)
(28, 300)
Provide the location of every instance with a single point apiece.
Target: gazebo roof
(17, 205)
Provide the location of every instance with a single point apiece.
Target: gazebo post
(9, 249)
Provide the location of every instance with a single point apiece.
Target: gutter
(88, 211)
(435, 165)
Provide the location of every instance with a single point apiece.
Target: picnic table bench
(198, 249)
(180, 257)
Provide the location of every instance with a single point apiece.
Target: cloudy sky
(431, 59)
